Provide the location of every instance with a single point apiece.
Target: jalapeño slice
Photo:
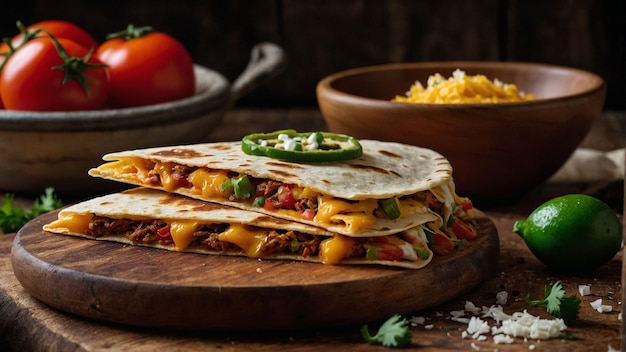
(290, 145)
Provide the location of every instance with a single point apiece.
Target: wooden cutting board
(147, 287)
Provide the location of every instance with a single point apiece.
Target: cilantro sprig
(13, 217)
(394, 332)
(242, 187)
(557, 304)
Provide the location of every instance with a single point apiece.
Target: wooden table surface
(28, 325)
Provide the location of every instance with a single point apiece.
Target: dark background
(322, 37)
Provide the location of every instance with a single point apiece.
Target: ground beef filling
(270, 190)
(157, 232)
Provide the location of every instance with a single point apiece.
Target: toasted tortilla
(384, 170)
(135, 216)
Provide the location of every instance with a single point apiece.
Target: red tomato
(463, 230)
(32, 81)
(59, 29)
(148, 69)
(441, 244)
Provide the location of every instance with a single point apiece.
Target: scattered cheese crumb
(470, 307)
(502, 297)
(531, 347)
(429, 326)
(501, 338)
(584, 290)
(601, 308)
(458, 316)
(519, 324)
(474, 347)
(477, 325)
(418, 320)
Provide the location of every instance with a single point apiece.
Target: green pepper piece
(422, 252)
(242, 187)
(390, 207)
(294, 245)
(331, 146)
(258, 201)
(371, 253)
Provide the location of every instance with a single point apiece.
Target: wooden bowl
(498, 151)
(41, 149)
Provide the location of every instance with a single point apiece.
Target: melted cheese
(182, 233)
(334, 249)
(209, 183)
(355, 215)
(249, 240)
(76, 223)
(165, 173)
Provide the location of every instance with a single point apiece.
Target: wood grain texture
(26, 324)
(155, 288)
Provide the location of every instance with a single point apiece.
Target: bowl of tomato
(56, 147)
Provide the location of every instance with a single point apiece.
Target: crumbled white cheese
(501, 338)
(418, 320)
(496, 313)
(601, 308)
(502, 297)
(474, 347)
(477, 325)
(429, 326)
(519, 324)
(584, 290)
(288, 143)
(470, 307)
(457, 313)
(459, 316)
(523, 324)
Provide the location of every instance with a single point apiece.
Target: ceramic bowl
(498, 151)
(42, 149)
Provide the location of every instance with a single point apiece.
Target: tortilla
(344, 196)
(152, 218)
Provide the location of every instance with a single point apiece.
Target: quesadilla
(349, 197)
(153, 218)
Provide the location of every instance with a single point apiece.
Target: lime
(572, 233)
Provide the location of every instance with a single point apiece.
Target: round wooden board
(148, 287)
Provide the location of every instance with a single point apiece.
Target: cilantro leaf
(394, 332)
(556, 304)
(242, 187)
(13, 217)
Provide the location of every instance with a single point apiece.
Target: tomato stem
(73, 67)
(26, 37)
(131, 32)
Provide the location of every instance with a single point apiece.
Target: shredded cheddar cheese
(462, 89)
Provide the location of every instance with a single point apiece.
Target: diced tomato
(467, 205)
(442, 244)
(308, 214)
(285, 197)
(390, 253)
(463, 230)
(164, 235)
(164, 232)
(432, 201)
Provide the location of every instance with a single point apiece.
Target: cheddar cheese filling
(298, 202)
(254, 242)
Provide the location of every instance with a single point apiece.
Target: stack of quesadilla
(394, 205)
